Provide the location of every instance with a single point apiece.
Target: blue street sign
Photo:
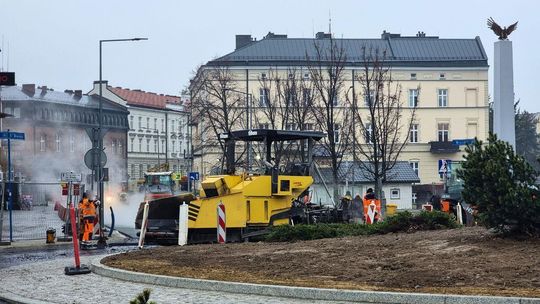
(11, 135)
(194, 175)
(463, 142)
(445, 166)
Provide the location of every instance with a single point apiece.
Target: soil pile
(458, 261)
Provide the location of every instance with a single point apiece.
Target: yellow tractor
(253, 201)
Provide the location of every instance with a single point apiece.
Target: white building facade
(158, 130)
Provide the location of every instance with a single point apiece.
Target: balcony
(443, 147)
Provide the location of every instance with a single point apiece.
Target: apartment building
(444, 80)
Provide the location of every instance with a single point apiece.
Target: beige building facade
(444, 80)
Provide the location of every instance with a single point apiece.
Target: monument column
(503, 93)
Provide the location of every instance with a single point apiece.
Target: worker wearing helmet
(87, 211)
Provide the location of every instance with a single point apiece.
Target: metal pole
(354, 132)
(10, 191)
(100, 142)
(248, 120)
(100, 135)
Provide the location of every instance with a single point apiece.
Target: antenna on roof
(329, 22)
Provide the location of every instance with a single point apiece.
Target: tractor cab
(158, 185)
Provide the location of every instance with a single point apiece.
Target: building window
(263, 97)
(155, 123)
(306, 96)
(131, 122)
(414, 198)
(394, 193)
(308, 126)
(413, 136)
(148, 122)
(71, 143)
(132, 172)
(113, 146)
(119, 144)
(173, 145)
(42, 141)
(413, 98)
(155, 146)
(415, 167)
(131, 140)
(263, 75)
(57, 142)
(442, 131)
(163, 146)
(140, 123)
(306, 76)
(368, 98)
(264, 126)
(162, 125)
(442, 76)
(140, 170)
(336, 133)
(140, 144)
(335, 99)
(442, 97)
(369, 134)
(172, 125)
(413, 76)
(290, 126)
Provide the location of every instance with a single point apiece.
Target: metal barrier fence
(33, 211)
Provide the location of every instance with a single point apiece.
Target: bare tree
(285, 101)
(332, 115)
(216, 104)
(381, 119)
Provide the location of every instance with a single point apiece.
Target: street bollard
(221, 227)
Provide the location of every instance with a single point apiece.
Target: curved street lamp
(100, 135)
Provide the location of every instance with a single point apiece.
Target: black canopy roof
(271, 135)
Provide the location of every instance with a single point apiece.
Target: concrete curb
(303, 292)
(12, 298)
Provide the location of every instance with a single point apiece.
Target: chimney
(271, 35)
(387, 35)
(323, 35)
(68, 91)
(29, 89)
(43, 90)
(243, 40)
(78, 93)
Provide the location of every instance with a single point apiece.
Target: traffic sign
(91, 158)
(7, 78)
(445, 166)
(11, 135)
(70, 177)
(194, 175)
(463, 142)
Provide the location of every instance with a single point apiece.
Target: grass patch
(401, 222)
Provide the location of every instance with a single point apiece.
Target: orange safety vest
(445, 206)
(366, 204)
(87, 208)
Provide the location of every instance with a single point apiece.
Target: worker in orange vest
(87, 213)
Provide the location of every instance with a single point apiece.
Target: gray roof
(401, 51)
(15, 93)
(400, 173)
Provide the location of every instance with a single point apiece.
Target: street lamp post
(100, 135)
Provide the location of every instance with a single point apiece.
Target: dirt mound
(458, 261)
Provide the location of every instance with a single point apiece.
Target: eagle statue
(502, 33)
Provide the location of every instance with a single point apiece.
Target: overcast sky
(56, 43)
